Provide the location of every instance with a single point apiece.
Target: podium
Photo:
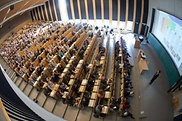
(137, 43)
(141, 54)
(143, 65)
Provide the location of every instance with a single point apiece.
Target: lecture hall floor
(153, 99)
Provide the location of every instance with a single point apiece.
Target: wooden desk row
(55, 58)
(47, 72)
(94, 99)
(92, 66)
(54, 91)
(88, 52)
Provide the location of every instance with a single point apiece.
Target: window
(63, 10)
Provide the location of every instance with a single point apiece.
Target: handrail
(9, 104)
(4, 111)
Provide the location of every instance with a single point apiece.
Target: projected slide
(168, 29)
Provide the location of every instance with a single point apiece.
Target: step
(71, 113)
(22, 85)
(41, 98)
(15, 79)
(33, 93)
(49, 104)
(5, 65)
(59, 109)
(8, 69)
(27, 89)
(18, 81)
(13, 76)
(84, 114)
(10, 72)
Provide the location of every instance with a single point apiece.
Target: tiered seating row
(67, 65)
(84, 98)
(98, 93)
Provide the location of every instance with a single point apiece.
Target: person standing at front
(156, 75)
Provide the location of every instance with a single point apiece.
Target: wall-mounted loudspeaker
(11, 7)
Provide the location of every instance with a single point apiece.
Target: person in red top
(126, 104)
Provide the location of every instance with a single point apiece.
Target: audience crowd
(52, 57)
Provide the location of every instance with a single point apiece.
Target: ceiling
(12, 8)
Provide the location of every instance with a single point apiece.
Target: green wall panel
(167, 62)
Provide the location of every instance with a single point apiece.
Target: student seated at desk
(46, 89)
(128, 94)
(69, 100)
(115, 103)
(72, 69)
(101, 49)
(72, 51)
(104, 80)
(97, 111)
(65, 59)
(75, 88)
(74, 39)
(126, 104)
(55, 76)
(103, 86)
(125, 53)
(94, 75)
(40, 69)
(85, 100)
(109, 81)
(63, 87)
(66, 46)
(40, 59)
(74, 46)
(126, 113)
(41, 82)
(76, 101)
(126, 72)
(51, 67)
(100, 94)
(85, 67)
(117, 47)
(61, 54)
(31, 69)
(66, 78)
(60, 68)
(81, 53)
(65, 39)
(86, 42)
(97, 63)
(91, 82)
(128, 84)
(127, 65)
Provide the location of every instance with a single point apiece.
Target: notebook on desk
(143, 56)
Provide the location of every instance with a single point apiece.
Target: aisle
(110, 55)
